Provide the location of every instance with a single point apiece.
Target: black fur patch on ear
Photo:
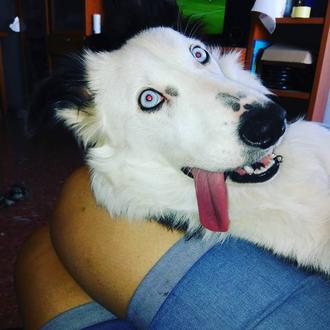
(65, 88)
(126, 18)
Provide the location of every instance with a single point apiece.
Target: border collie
(177, 132)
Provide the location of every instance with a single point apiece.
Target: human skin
(85, 254)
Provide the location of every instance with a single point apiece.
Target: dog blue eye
(150, 99)
(200, 54)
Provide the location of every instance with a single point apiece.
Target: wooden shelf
(311, 20)
(316, 100)
(292, 94)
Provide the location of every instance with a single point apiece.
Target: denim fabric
(239, 286)
(198, 285)
(80, 317)
(162, 278)
(112, 325)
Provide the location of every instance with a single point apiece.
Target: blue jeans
(234, 285)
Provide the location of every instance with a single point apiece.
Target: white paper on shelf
(269, 10)
(288, 54)
(97, 23)
(15, 26)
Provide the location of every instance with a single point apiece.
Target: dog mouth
(261, 171)
(211, 191)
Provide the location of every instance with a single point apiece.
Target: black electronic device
(286, 68)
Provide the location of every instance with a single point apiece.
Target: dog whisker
(179, 24)
(195, 28)
(187, 25)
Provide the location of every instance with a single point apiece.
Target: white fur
(136, 156)
(290, 214)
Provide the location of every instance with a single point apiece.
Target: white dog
(179, 133)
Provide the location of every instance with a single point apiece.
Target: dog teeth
(248, 169)
(259, 167)
(264, 169)
(271, 163)
(259, 171)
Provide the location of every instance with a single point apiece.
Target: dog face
(165, 103)
(166, 96)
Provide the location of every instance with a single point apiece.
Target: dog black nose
(262, 126)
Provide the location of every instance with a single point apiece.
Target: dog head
(169, 98)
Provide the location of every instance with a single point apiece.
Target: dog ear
(64, 96)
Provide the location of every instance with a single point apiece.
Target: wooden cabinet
(53, 28)
(312, 33)
(68, 23)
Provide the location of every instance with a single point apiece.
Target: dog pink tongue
(212, 199)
